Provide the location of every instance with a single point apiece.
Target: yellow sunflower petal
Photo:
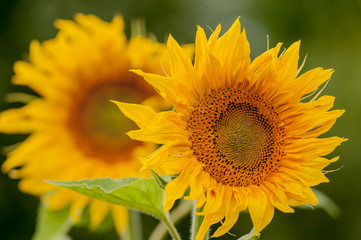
(27, 185)
(278, 197)
(171, 193)
(120, 216)
(161, 133)
(175, 159)
(19, 157)
(260, 209)
(40, 58)
(59, 200)
(307, 197)
(77, 207)
(314, 146)
(262, 62)
(243, 135)
(181, 67)
(235, 58)
(214, 37)
(307, 175)
(34, 78)
(311, 80)
(98, 210)
(198, 183)
(141, 115)
(288, 63)
(16, 121)
(167, 89)
(230, 220)
(206, 223)
(201, 61)
(231, 213)
(213, 201)
(75, 132)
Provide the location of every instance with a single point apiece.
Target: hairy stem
(134, 229)
(176, 215)
(196, 223)
(173, 231)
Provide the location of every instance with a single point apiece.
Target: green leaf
(52, 225)
(106, 225)
(19, 97)
(141, 194)
(327, 204)
(250, 236)
(162, 181)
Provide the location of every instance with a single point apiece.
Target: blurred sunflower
(76, 132)
(241, 136)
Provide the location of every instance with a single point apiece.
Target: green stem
(134, 228)
(250, 236)
(173, 231)
(183, 209)
(196, 223)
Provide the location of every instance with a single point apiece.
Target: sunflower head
(75, 131)
(243, 134)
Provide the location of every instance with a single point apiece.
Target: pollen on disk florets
(237, 136)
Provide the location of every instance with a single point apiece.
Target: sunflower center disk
(98, 126)
(237, 136)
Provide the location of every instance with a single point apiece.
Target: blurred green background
(330, 31)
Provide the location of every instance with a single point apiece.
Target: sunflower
(242, 135)
(76, 132)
